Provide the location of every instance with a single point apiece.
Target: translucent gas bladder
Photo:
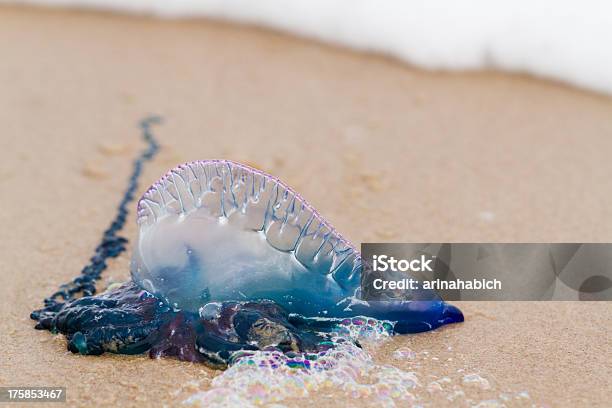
(215, 230)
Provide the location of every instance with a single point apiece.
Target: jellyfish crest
(218, 230)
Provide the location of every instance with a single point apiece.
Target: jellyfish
(217, 230)
(228, 260)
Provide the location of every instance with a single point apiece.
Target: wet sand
(385, 152)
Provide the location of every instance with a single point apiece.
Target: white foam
(566, 40)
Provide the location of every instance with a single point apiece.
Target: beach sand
(384, 151)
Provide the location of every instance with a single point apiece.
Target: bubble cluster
(266, 377)
(356, 370)
(262, 377)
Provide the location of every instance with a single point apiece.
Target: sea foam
(562, 40)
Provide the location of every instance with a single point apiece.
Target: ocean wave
(561, 40)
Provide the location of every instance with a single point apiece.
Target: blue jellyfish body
(217, 231)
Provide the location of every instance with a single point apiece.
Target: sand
(385, 152)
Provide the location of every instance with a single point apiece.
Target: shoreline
(482, 38)
(221, 23)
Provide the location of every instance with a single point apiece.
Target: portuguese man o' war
(228, 260)
(214, 231)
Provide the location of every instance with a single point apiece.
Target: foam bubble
(404, 353)
(476, 380)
